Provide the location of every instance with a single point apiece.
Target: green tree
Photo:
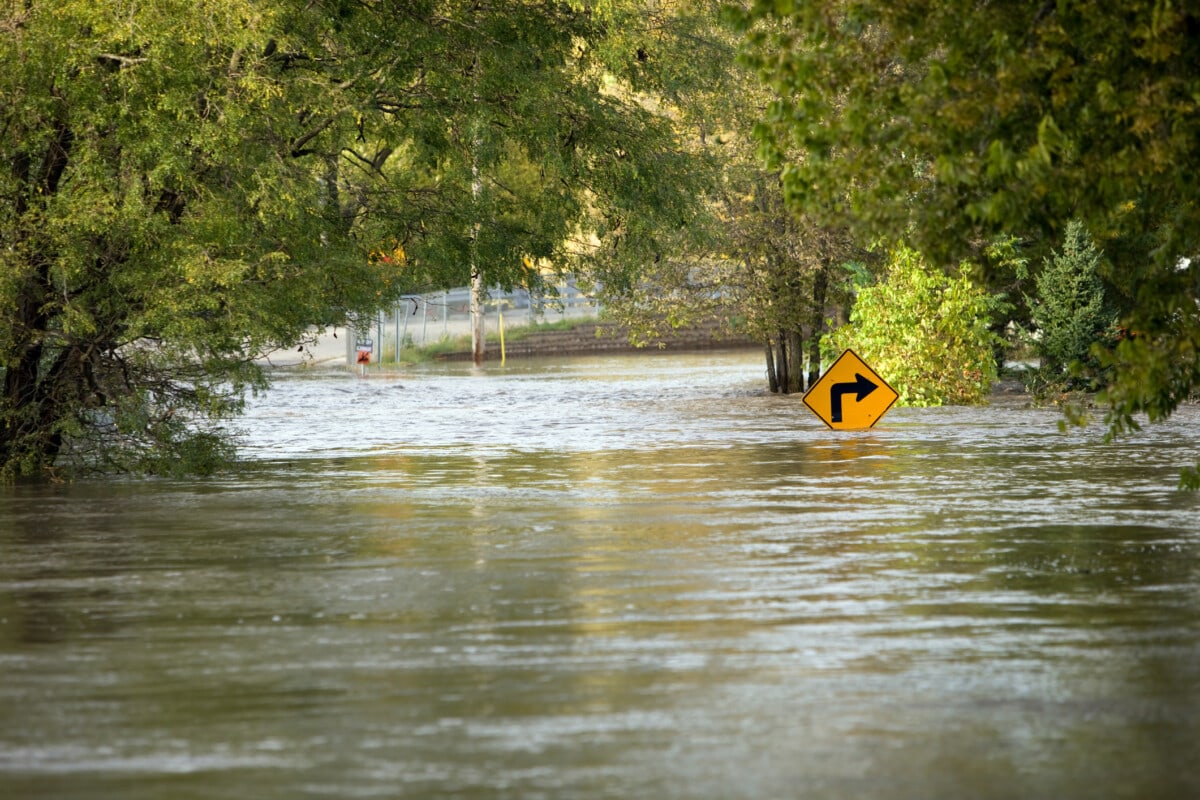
(785, 280)
(163, 224)
(744, 258)
(521, 133)
(1070, 311)
(952, 122)
(927, 333)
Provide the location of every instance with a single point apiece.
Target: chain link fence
(419, 320)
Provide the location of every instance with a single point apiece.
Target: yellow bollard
(500, 312)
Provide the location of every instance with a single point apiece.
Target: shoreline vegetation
(1018, 382)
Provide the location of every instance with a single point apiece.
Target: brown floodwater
(621, 577)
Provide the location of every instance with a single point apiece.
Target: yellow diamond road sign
(850, 395)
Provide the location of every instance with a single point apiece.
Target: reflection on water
(610, 578)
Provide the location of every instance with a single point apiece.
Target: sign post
(364, 348)
(850, 395)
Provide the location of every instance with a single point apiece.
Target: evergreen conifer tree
(1070, 310)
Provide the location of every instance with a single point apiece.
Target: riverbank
(335, 347)
(595, 336)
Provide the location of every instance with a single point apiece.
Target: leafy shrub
(925, 333)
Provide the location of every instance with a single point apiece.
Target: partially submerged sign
(850, 395)
(365, 348)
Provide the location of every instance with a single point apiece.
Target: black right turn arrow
(860, 389)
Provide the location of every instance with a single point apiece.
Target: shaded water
(610, 578)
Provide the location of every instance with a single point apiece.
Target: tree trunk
(477, 319)
(820, 287)
(814, 359)
(478, 340)
(772, 380)
(795, 352)
(781, 363)
(30, 438)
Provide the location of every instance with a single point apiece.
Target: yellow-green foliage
(925, 333)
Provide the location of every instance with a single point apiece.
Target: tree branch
(298, 149)
(119, 61)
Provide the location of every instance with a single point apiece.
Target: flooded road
(610, 578)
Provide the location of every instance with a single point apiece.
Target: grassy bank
(454, 345)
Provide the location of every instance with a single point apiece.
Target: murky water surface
(610, 578)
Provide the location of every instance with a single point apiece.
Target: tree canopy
(189, 185)
(162, 223)
(948, 123)
(745, 258)
(533, 137)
